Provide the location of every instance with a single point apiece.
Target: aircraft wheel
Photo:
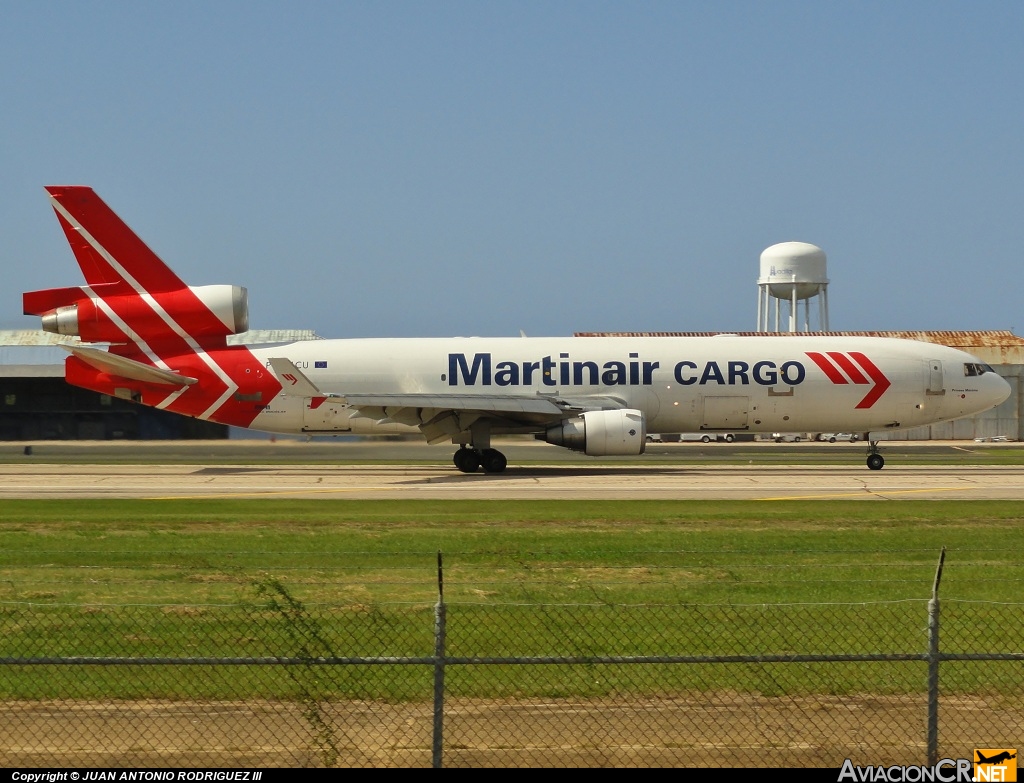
(493, 461)
(466, 460)
(876, 461)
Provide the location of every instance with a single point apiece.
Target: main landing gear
(875, 460)
(470, 460)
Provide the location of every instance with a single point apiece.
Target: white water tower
(792, 272)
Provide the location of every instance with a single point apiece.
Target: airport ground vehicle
(789, 437)
(686, 437)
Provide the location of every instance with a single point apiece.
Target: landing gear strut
(875, 460)
(478, 453)
(469, 460)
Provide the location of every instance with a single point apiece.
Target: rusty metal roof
(37, 337)
(1002, 338)
(966, 339)
(34, 337)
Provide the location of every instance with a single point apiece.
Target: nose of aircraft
(997, 389)
(980, 390)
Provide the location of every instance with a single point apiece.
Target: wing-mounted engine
(107, 313)
(601, 433)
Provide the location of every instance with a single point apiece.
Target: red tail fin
(132, 296)
(105, 248)
(168, 339)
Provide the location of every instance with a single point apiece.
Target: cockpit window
(976, 369)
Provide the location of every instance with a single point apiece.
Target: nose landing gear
(875, 460)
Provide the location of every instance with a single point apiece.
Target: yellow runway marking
(343, 490)
(263, 494)
(868, 491)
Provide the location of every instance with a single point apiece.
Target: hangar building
(36, 403)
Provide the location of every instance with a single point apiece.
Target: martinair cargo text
(167, 347)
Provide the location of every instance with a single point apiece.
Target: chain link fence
(275, 681)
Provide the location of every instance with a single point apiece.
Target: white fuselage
(681, 384)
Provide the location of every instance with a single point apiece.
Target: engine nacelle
(601, 433)
(103, 320)
(230, 303)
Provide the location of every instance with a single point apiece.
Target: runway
(668, 482)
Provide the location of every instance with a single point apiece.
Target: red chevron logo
(290, 378)
(852, 367)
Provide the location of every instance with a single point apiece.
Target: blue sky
(455, 168)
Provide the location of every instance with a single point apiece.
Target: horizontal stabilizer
(43, 302)
(293, 382)
(127, 368)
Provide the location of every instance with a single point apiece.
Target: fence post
(933, 666)
(439, 631)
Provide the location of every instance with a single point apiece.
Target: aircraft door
(725, 413)
(936, 386)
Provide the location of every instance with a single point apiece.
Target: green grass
(226, 577)
(631, 551)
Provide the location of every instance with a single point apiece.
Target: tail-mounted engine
(601, 433)
(118, 317)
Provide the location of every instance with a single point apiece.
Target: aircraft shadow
(513, 473)
(446, 474)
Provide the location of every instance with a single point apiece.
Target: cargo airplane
(166, 346)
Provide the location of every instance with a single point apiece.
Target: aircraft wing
(442, 416)
(439, 416)
(127, 368)
(461, 402)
